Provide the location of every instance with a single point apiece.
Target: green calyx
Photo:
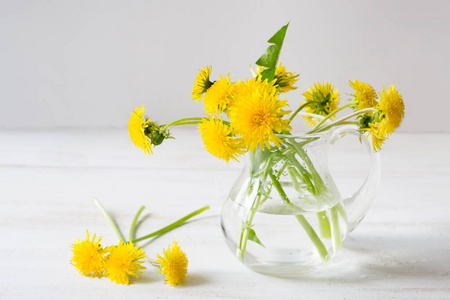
(156, 133)
(208, 84)
(320, 104)
(365, 120)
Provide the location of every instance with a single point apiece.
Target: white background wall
(89, 63)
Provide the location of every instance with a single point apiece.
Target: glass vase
(285, 216)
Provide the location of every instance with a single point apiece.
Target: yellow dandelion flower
(256, 114)
(123, 261)
(284, 81)
(376, 129)
(202, 83)
(219, 140)
(391, 108)
(88, 256)
(365, 95)
(378, 135)
(136, 129)
(173, 265)
(218, 97)
(321, 99)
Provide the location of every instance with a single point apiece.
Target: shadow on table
(150, 277)
(368, 258)
(192, 279)
(195, 279)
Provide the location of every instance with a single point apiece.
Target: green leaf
(278, 38)
(268, 73)
(252, 237)
(269, 59)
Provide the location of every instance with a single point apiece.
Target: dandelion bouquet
(284, 210)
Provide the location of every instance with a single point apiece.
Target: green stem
(282, 193)
(297, 111)
(153, 262)
(279, 188)
(133, 227)
(341, 121)
(267, 167)
(247, 224)
(319, 186)
(283, 167)
(185, 121)
(304, 176)
(337, 242)
(318, 182)
(294, 180)
(294, 174)
(313, 237)
(171, 226)
(324, 224)
(302, 220)
(109, 219)
(245, 230)
(330, 115)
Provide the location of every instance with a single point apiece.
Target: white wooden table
(49, 178)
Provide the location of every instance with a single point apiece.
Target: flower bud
(156, 137)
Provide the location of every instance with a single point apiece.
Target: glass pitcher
(284, 215)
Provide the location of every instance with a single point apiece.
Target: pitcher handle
(357, 204)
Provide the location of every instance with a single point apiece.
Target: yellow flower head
(136, 129)
(376, 129)
(218, 97)
(256, 113)
(202, 83)
(391, 108)
(219, 140)
(365, 95)
(284, 81)
(321, 99)
(88, 256)
(174, 265)
(123, 261)
(378, 135)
